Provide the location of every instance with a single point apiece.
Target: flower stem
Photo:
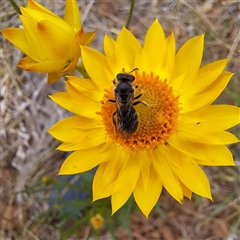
(15, 6)
(83, 71)
(130, 14)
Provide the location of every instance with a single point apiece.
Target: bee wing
(127, 121)
(118, 101)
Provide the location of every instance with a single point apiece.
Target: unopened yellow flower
(97, 221)
(50, 42)
(178, 127)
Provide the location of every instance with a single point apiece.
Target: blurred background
(35, 204)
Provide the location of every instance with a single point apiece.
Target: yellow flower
(178, 127)
(50, 42)
(97, 221)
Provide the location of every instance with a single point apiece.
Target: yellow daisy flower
(174, 126)
(50, 42)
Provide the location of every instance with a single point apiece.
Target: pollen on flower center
(157, 113)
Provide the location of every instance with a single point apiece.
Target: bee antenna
(135, 69)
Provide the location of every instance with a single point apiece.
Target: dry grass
(27, 150)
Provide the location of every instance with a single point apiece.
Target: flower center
(145, 122)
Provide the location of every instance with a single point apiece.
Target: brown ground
(29, 162)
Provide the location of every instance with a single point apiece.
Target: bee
(127, 119)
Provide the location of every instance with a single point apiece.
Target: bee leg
(113, 120)
(138, 96)
(111, 100)
(136, 103)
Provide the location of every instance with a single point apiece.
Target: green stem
(83, 71)
(15, 6)
(130, 14)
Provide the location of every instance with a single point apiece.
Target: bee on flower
(51, 44)
(177, 130)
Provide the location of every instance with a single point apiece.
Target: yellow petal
(162, 165)
(131, 50)
(109, 47)
(227, 116)
(113, 167)
(25, 62)
(53, 77)
(125, 184)
(207, 75)
(36, 16)
(176, 82)
(84, 38)
(186, 192)
(145, 168)
(191, 102)
(189, 57)
(155, 47)
(73, 128)
(129, 171)
(71, 63)
(79, 36)
(36, 48)
(82, 105)
(212, 155)
(89, 36)
(97, 67)
(146, 200)
(204, 135)
(86, 87)
(78, 122)
(192, 176)
(220, 117)
(170, 56)
(29, 64)
(98, 191)
(218, 85)
(80, 139)
(191, 149)
(47, 34)
(85, 140)
(119, 198)
(216, 156)
(36, 6)
(90, 100)
(114, 56)
(72, 15)
(84, 160)
(18, 38)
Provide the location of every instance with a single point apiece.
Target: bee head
(125, 77)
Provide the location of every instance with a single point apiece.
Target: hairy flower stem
(15, 6)
(130, 14)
